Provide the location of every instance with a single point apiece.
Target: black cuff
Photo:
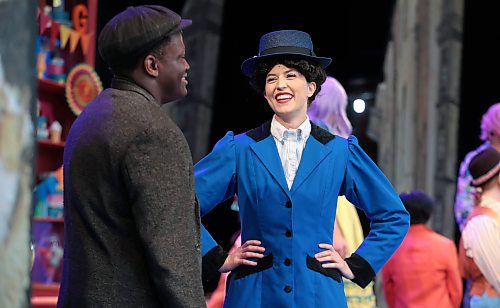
(362, 270)
(211, 262)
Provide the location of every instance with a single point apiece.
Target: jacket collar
(280, 132)
(126, 84)
(314, 153)
(262, 132)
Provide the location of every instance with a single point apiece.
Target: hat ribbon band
(485, 177)
(287, 49)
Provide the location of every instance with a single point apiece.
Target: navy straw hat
(281, 43)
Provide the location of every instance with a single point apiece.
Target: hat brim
(487, 176)
(185, 23)
(247, 67)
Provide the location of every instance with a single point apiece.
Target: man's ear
(151, 65)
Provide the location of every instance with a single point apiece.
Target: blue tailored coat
(291, 223)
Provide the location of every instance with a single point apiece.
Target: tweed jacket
(291, 223)
(131, 218)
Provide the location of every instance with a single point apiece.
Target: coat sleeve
(368, 189)
(160, 185)
(453, 279)
(215, 176)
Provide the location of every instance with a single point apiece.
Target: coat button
(287, 289)
(288, 262)
(288, 205)
(288, 233)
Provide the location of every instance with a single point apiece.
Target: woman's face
(287, 91)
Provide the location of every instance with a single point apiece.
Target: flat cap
(135, 31)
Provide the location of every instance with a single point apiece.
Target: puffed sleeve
(215, 174)
(368, 189)
(215, 182)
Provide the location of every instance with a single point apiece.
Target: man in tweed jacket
(132, 225)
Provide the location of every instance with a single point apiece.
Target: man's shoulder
(438, 240)
(134, 108)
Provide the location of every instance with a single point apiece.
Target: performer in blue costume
(288, 174)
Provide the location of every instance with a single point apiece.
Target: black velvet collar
(262, 132)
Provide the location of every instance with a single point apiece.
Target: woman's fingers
(248, 262)
(251, 242)
(325, 253)
(326, 246)
(328, 255)
(251, 255)
(332, 265)
(254, 248)
(330, 252)
(249, 249)
(324, 259)
(330, 258)
(240, 255)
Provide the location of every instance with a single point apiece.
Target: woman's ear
(312, 88)
(151, 65)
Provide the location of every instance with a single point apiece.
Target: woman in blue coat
(288, 174)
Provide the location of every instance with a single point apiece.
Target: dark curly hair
(312, 71)
(419, 205)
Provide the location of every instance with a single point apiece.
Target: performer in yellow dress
(328, 111)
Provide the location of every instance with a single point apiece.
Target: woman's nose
(281, 83)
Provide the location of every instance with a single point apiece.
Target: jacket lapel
(268, 154)
(313, 154)
(265, 149)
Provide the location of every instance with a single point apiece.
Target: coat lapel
(268, 154)
(265, 149)
(314, 152)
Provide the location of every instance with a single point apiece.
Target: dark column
(17, 92)
(193, 114)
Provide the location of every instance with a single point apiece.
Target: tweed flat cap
(135, 31)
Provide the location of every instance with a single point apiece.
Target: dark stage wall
(480, 86)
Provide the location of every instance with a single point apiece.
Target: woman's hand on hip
(333, 260)
(241, 256)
